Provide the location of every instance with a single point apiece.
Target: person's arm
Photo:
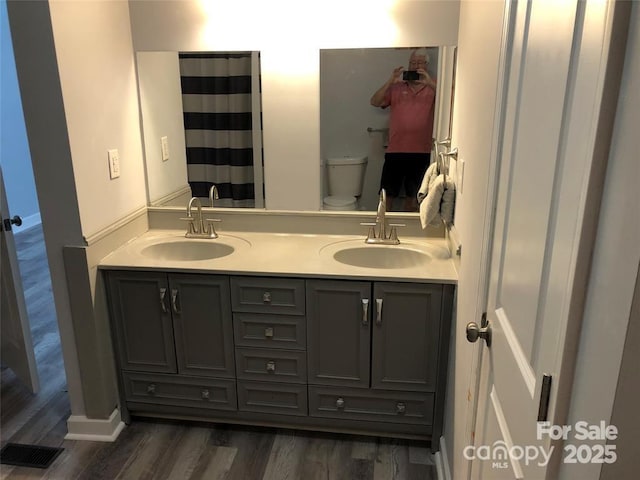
(377, 100)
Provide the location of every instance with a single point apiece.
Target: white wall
(97, 74)
(161, 105)
(14, 147)
(288, 35)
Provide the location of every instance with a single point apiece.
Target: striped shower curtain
(217, 105)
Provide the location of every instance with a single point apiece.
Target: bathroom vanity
(256, 343)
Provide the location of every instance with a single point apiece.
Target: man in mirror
(410, 94)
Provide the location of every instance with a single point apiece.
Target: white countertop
(283, 254)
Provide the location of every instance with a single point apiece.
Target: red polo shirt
(411, 118)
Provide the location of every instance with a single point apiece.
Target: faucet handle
(191, 228)
(393, 234)
(211, 231)
(372, 232)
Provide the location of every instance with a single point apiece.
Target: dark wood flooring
(156, 449)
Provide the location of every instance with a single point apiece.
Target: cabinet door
(203, 328)
(338, 332)
(406, 331)
(142, 321)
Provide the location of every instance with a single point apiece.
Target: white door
(555, 67)
(16, 348)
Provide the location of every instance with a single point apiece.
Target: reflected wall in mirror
(201, 118)
(352, 128)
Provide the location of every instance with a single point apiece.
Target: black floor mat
(28, 455)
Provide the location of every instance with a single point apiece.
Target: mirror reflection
(369, 111)
(201, 115)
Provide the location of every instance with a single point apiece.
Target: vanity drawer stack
(269, 327)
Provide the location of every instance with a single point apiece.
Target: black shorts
(404, 169)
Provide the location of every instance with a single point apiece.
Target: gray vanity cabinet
(338, 332)
(381, 335)
(406, 333)
(173, 337)
(141, 320)
(174, 323)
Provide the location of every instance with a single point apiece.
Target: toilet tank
(345, 175)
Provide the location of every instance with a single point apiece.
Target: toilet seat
(340, 202)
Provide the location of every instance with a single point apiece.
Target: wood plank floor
(150, 449)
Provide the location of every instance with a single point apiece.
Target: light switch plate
(164, 141)
(114, 163)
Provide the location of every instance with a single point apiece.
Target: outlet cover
(165, 148)
(114, 163)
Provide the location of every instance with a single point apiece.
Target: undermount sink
(381, 256)
(187, 250)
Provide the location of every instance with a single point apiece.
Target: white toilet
(345, 177)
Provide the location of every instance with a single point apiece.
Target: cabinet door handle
(271, 366)
(268, 332)
(401, 408)
(266, 297)
(174, 300)
(365, 311)
(151, 389)
(163, 293)
(379, 311)
(340, 402)
(205, 394)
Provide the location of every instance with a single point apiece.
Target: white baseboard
(442, 462)
(80, 427)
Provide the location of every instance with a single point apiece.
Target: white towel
(439, 203)
(428, 179)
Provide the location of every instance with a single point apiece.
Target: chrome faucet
(381, 237)
(213, 195)
(196, 227)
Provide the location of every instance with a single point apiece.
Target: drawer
(277, 331)
(264, 397)
(379, 406)
(200, 392)
(267, 295)
(266, 364)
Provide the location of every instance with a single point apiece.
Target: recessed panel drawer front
(270, 331)
(219, 394)
(265, 364)
(264, 397)
(267, 295)
(379, 406)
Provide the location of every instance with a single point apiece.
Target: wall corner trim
(96, 430)
(442, 461)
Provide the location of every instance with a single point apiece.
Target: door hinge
(545, 395)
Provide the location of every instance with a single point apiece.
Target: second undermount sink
(382, 256)
(187, 250)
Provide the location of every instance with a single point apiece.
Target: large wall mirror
(288, 82)
(351, 128)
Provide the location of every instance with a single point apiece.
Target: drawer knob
(151, 389)
(340, 402)
(401, 408)
(271, 366)
(205, 394)
(266, 297)
(268, 332)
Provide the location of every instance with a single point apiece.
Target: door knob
(16, 220)
(474, 332)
